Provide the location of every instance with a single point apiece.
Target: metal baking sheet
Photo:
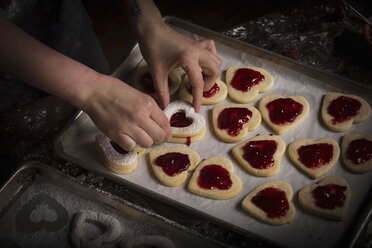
(76, 143)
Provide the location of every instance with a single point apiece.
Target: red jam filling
(214, 176)
(245, 78)
(315, 155)
(148, 83)
(188, 141)
(272, 201)
(233, 119)
(359, 151)
(259, 154)
(329, 196)
(343, 108)
(173, 163)
(209, 93)
(179, 119)
(118, 148)
(284, 110)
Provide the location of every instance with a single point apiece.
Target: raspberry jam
(173, 163)
(284, 110)
(343, 108)
(188, 141)
(233, 119)
(359, 151)
(118, 148)
(214, 176)
(272, 201)
(259, 154)
(209, 93)
(315, 155)
(245, 78)
(179, 119)
(148, 83)
(329, 196)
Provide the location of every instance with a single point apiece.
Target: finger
(140, 137)
(161, 86)
(197, 84)
(125, 142)
(211, 70)
(153, 130)
(209, 45)
(159, 117)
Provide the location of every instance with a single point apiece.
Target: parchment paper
(305, 230)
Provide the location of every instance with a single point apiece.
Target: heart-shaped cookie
(315, 158)
(115, 158)
(357, 152)
(271, 203)
(185, 123)
(214, 178)
(340, 111)
(283, 114)
(170, 165)
(244, 83)
(260, 155)
(231, 122)
(88, 236)
(329, 198)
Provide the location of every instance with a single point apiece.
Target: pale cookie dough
(362, 115)
(308, 201)
(314, 171)
(179, 178)
(115, 161)
(356, 159)
(250, 95)
(259, 151)
(223, 134)
(184, 93)
(213, 192)
(173, 76)
(283, 128)
(259, 213)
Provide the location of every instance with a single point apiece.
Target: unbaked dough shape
(180, 178)
(216, 193)
(261, 215)
(251, 125)
(251, 95)
(313, 172)
(364, 112)
(307, 201)
(360, 168)
(238, 153)
(115, 161)
(281, 129)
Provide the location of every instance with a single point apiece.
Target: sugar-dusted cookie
(170, 165)
(357, 152)
(260, 155)
(143, 81)
(329, 198)
(315, 158)
(187, 126)
(231, 122)
(340, 111)
(283, 114)
(115, 158)
(214, 178)
(271, 202)
(216, 94)
(244, 83)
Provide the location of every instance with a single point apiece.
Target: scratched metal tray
(65, 147)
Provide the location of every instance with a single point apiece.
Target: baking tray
(38, 204)
(76, 144)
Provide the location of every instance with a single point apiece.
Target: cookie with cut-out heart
(115, 158)
(216, 94)
(186, 124)
(214, 178)
(231, 122)
(357, 152)
(144, 82)
(340, 111)
(329, 198)
(271, 203)
(260, 155)
(244, 83)
(172, 164)
(315, 158)
(283, 114)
